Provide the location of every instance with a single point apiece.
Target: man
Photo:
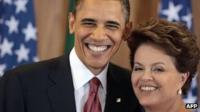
(66, 84)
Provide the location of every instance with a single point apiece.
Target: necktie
(93, 104)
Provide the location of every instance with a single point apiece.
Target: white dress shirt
(81, 75)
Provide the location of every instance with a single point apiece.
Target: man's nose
(99, 33)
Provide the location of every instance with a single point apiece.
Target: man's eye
(89, 24)
(112, 26)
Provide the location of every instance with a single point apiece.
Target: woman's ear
(71, 19)
(127, 30)
(184, 77)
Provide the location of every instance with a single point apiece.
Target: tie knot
(95, 82)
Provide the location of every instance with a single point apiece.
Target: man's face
(98, 27)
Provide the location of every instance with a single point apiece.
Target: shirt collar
(81, 74)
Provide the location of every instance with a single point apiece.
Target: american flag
(180, 10)
(17, 34)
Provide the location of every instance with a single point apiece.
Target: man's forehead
(103, 5)
(108, 7)
(100, 11)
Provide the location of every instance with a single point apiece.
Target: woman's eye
(137, 69)
(158, 70)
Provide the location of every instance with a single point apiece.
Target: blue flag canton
(177, 10)
(17, 34)
(180, 10)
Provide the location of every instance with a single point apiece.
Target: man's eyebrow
(88, 20)
(113, 23)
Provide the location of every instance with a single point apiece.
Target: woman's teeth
(148, 88)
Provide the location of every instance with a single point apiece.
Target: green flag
(70, 37)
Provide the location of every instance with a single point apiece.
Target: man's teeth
(97, 48)
(148, 88)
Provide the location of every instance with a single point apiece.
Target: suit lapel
(61, 91)
(113, 98)
(120, 97)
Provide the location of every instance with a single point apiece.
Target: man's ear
(71, 19)
(127, 30)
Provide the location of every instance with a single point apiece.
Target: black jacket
(47, 87)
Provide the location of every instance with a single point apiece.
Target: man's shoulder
(118, 73)
(39, 68)
(119, 70)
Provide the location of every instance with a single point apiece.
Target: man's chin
(96, 67)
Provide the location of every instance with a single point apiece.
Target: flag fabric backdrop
(17, 34)
(70, 37)
(180, 10)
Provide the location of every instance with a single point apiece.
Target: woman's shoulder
(183, 109)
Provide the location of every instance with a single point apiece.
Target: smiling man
(84, 80)
(98, 27)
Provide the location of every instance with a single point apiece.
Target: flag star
(29, 32)
(12, 25)
(35, 59)
(22, 53)
(21, 5)
(14, 66)
(6, 47)
(1, 20)
(194, 82)
(188, 19)
(9, 2)
(172, 12)
(190, 98)
(2, 69)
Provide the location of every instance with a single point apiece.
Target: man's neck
(96, 71)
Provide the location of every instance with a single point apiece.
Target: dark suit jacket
(47, 87)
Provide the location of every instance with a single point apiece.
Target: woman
(164, 57)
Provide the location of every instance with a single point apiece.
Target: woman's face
(155, 78)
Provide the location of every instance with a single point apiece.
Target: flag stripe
(70, 37)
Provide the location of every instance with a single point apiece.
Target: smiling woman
(164, 59)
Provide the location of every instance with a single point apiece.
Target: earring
(180, 92)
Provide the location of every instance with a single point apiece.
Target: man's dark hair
(125, 5)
